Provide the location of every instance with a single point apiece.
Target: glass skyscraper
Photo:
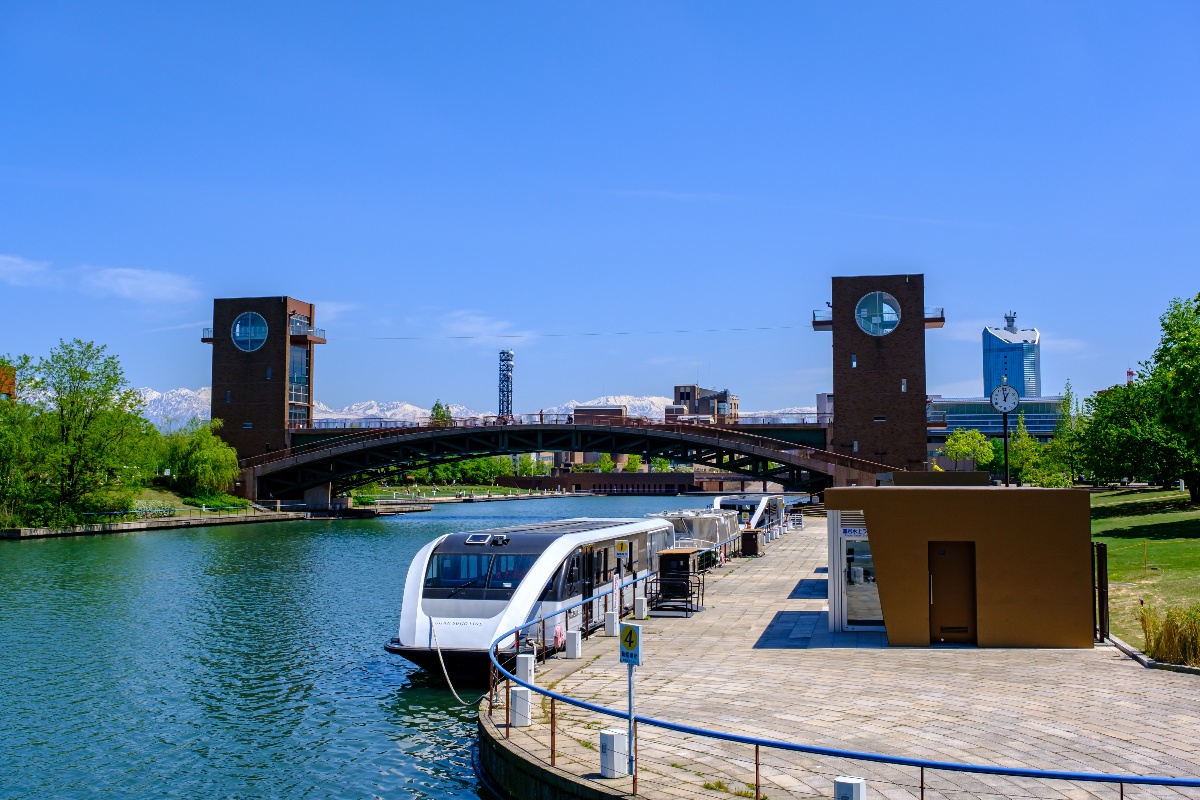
(1014, 352)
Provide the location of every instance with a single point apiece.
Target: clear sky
(450, 169)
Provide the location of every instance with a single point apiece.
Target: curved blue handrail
(855, 755)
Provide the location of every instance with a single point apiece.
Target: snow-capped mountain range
(177, 406)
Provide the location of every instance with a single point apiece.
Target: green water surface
(236, 662)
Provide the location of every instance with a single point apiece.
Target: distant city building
(720, 404)
(1015, 353)
(1041, 416)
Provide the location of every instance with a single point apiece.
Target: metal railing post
(552, 753)
(543, 640)
(757, 776)
(507, 707)
(922, 783)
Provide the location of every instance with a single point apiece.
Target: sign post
(631, 654)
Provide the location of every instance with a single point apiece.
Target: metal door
(952, 593)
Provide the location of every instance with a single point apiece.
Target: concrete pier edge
(516, 775)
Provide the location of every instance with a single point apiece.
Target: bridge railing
(732, 434)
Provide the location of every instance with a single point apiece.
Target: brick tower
(262, 369)
(878, 324)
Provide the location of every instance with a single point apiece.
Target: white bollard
(611, 623)
(614, 753)
(641, 609)
(524, 669)
(574, 644)
(845, 788)
(522, 707)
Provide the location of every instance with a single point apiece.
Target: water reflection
(241, 661)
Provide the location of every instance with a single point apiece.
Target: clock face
(877, 313)
(249, 331)
(1005, 399)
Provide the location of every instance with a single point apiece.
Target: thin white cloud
(142, 285)
(17, 271)
(968, 330)
(331, 311)
(1074, 347)
(476, 327)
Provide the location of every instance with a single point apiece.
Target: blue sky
(433, 170)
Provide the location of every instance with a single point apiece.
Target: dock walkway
(760, 661)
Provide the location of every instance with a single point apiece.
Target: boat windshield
(479, 576)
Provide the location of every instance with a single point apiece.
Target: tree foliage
(606, 463)
(200, 464)
(74, 438)
(659, 464)
(633, 463)
(969, 444)
(440, 416)
(1174, 378)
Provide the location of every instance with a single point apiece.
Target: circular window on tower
(249, 331)
(878, 313)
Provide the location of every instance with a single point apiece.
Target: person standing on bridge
(542, 417)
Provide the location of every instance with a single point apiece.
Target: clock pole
(1005, 422)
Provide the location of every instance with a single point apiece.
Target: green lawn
(1153, 539)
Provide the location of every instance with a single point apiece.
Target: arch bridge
(340, 463)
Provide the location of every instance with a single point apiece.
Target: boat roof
(531, 538)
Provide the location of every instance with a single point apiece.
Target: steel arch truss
(358, 459)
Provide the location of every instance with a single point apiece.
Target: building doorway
(952, 593)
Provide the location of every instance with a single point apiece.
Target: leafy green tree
(440, 416)
(485, 471)
(606, 463)
(525, 465)
(1064, 453)
(1174, 378)
(658, 464)
(16, 446)
(201, 463)
(968, 444)
(1024, 452)
(633, 463)
(90, 443)
(1125, 437)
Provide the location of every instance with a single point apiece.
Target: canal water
(236, 662)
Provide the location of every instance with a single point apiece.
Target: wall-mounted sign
(854, 531)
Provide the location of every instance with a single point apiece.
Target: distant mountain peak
(177, 406)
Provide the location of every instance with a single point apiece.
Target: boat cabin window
(478, 576)
(510, 570)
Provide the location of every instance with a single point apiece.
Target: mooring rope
(445, 673)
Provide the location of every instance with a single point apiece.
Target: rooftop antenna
(1010, 320)
(506, 375)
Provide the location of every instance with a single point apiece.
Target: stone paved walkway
(760, 661)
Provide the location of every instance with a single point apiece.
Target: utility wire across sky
(567, 335)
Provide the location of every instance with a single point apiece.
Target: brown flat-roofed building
(994, 567)
(262, 369)
(8, 382)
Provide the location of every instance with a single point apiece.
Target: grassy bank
(1153, 542)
